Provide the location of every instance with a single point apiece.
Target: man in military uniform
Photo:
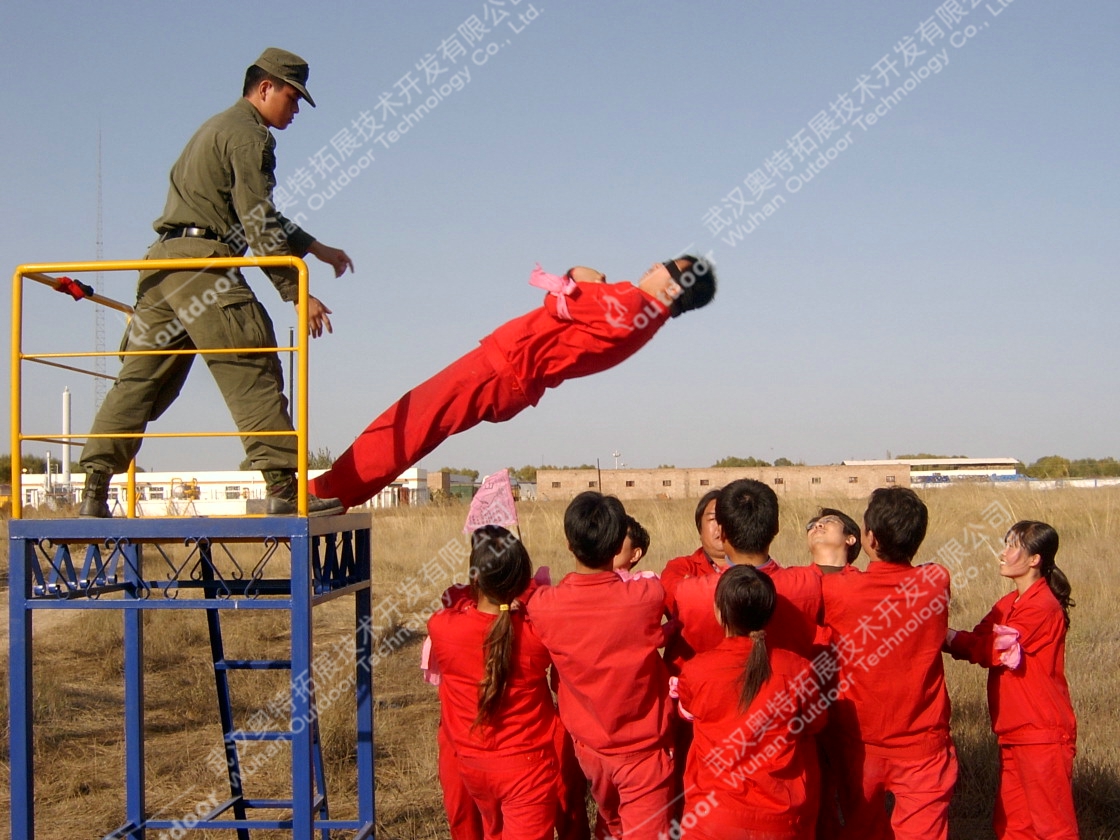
(219, 205)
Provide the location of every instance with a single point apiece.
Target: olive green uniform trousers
(184, 310)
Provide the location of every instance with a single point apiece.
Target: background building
(834, 480)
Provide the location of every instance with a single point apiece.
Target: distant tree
(527, 473)
(320, 460)
(783, 462)
(471, 474)
(1049, 466)
(31, 463)
(732, 461)
(667, 467)
(1109, 467)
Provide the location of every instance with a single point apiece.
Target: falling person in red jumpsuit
(585, 326)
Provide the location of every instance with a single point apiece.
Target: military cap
(287, 66)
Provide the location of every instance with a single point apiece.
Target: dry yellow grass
(78, 692)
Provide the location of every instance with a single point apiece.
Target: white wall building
(200, 493)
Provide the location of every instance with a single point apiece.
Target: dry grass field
(417, 552)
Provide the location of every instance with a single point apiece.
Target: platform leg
(363, 641)
(20, 710)
(303, 709)
(134, 701)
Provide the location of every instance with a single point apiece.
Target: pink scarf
(558, 285)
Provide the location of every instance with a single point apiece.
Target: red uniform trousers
(463, 817)
(834, 782)
(1035, 798)
(681, 730)
(722, 822)
(571, 814)
(921, 785)
(479, 386)
(632, 792)
(516, 794)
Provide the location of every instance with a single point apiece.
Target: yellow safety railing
(40, 273)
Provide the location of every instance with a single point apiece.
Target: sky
(912, 207)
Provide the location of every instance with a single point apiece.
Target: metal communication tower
(99, 311)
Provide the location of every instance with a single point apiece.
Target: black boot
(95, 497)
(283, 493)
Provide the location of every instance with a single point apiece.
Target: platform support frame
(124, 565)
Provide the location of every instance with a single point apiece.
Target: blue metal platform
(133, 565)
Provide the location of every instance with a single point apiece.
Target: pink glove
(644, 574)
(1006, 644)
(674, 688)
(556, 285)
(428, 665)
(674, 693)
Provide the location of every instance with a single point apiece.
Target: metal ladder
(232, 736)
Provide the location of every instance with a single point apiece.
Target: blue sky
(946, 283)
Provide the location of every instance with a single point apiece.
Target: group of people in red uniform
(733, 698)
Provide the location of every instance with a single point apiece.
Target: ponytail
(498, 649)
(757, 670)
(745, 599)
(500, 571)
(1041, 539)
(1059, 585)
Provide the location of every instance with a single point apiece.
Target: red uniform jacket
(603, 634)
(1030, 704)
(793, 626)
(890, 624)
(697, 564)
(762, 761)
(506, 374)
(526, 717)
(609, 323)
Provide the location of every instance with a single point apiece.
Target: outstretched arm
(336, 258)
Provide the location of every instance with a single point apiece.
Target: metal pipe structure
(40, 273)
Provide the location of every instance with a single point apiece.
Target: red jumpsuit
(508, 372)
(603, 634)
(1032, 715)
(893, 710)
(509, 767)
(752, 774)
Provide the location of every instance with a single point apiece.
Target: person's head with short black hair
(595, 526)
(696, 278)
(254, 75)
(747, 513)
(634, 547)
(706, 526)
(895, 523)
(845, 524)
(702, 505)
(638, 535)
